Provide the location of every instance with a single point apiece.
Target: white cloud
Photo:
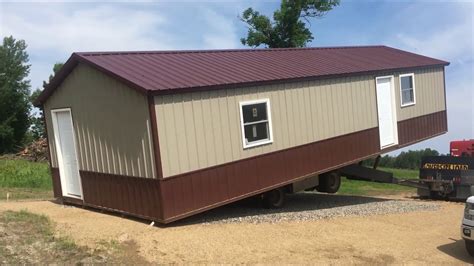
(62, 28)
(453, 43)
(220, 32)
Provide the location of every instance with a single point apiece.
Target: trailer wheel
(435, 195)
(274, 199)
(470, 247)
(329, 182)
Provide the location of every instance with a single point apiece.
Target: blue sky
(441, 29)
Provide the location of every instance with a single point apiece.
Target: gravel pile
(309, 206)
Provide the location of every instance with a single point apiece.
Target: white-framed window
(256, 123)
(407, 89)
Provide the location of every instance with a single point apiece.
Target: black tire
(470, 247)
(329, 182)
(435, 195)
(274, 199)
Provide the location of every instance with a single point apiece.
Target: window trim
(412, 75)
(269, 119)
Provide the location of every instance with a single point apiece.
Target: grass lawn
(22, 179)
(28, 238)
(356, 187)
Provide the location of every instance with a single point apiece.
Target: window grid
(407, 90)
(252, 125)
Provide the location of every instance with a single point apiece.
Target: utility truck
(450, 176)
(467, 226)
(447, 177)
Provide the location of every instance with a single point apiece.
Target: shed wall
(429, 93)
(202, 129)
(111, 124)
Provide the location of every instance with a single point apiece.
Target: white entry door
(386, 111)
(66, 152)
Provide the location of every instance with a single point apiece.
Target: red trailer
(462, 148)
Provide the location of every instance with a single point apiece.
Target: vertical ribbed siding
(111, 124)
(422, 127)
(429, 92)
(139, 197)
(202, 129)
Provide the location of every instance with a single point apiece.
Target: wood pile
(37, 151)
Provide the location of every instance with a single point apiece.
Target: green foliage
(27, 217)
(405, 160)
(57, 66)
(287, 28)
(37, 129)
(14, 94)
(24, 174)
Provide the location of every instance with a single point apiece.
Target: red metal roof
(170, 71)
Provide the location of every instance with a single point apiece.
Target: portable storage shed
(164, 135)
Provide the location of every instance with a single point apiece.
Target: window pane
(256, 132)
(407, 82)
(254, 112)
(407, 96)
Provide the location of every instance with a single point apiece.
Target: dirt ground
(409, 238)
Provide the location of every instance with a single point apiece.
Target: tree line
(405, 160)
(19, 126)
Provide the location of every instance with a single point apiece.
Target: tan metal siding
(111, 123)
(202, 129)
(429, 93)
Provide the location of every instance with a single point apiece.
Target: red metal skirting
(131, 195)
(57, 191)
(419, 128)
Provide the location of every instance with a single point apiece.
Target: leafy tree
(37, 129)
(14, 94)
(287, 28)
(57, 66)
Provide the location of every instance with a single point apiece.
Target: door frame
(59, 153)
(394, 110)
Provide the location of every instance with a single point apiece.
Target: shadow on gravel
(298, 202)
(457, 250)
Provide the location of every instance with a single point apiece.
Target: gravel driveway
(308, 206)
(400, 235)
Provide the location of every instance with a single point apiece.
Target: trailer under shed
(164, 135)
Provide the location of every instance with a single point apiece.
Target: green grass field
(30, 238)
(355, 187)
(22, 179)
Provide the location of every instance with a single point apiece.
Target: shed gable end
(111, 123)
